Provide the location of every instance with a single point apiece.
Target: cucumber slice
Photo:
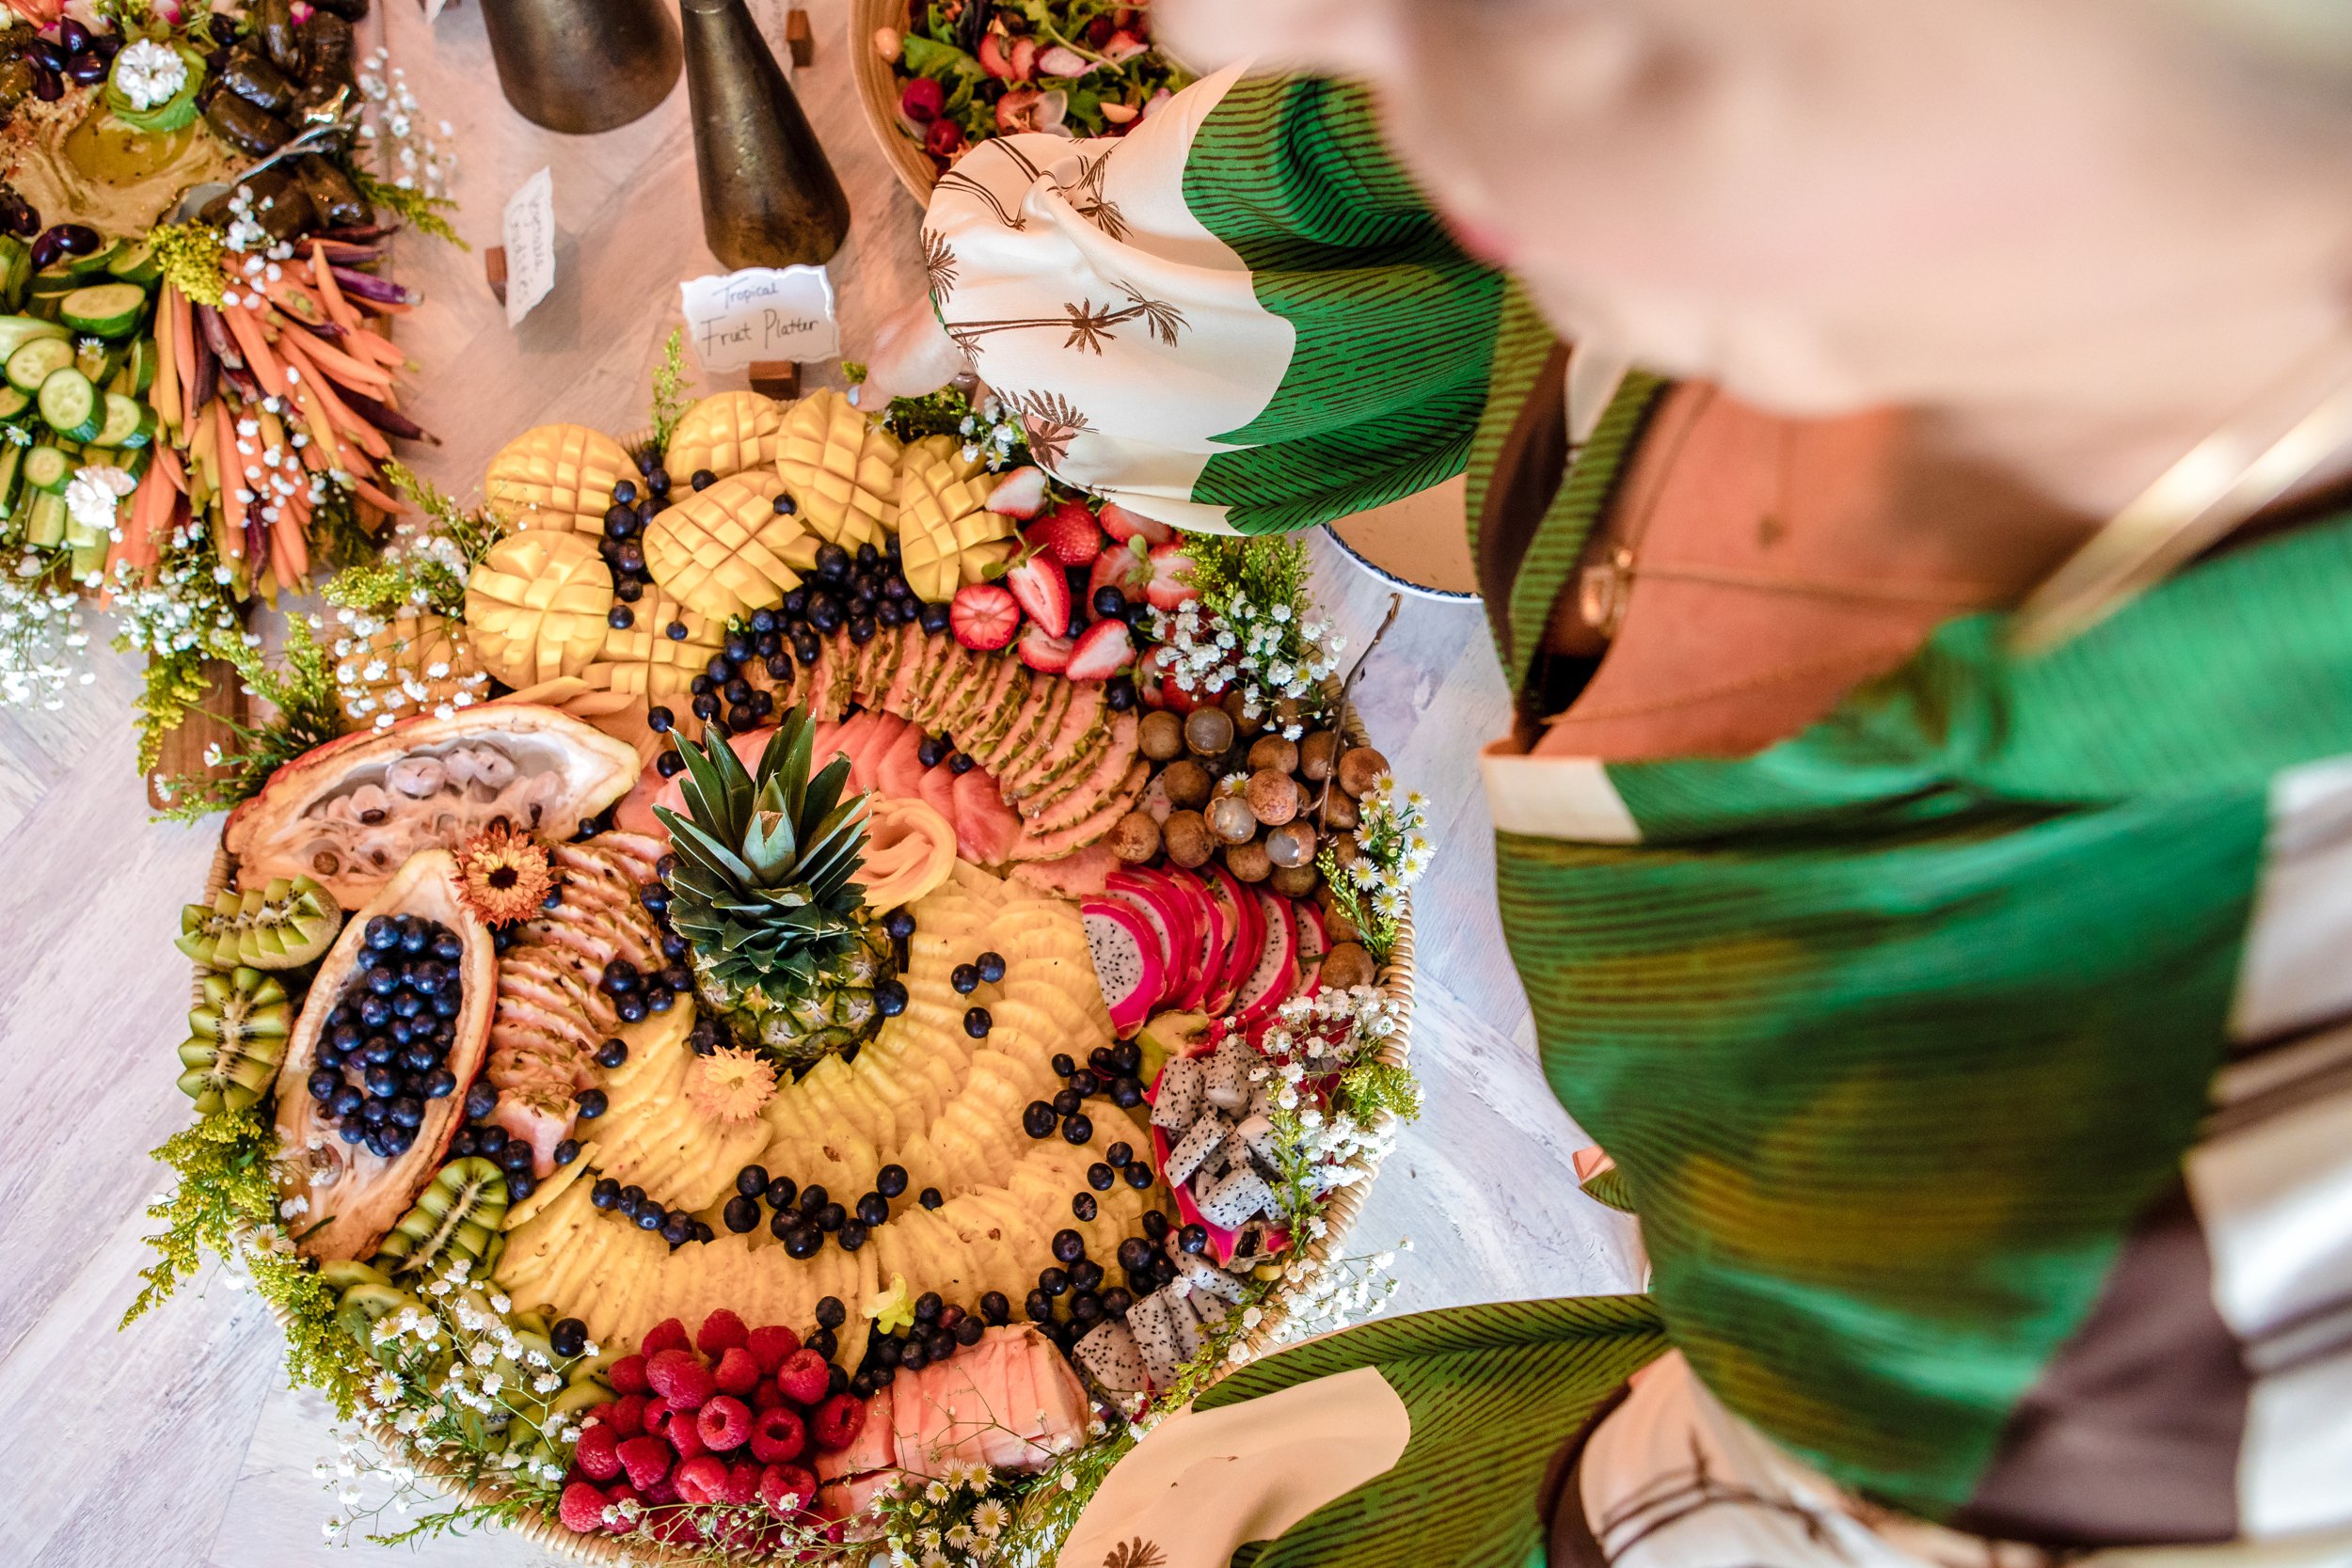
(12, 473)
(97, 358)
(16, 331)
(69, 404)
(46, 526)
(37, 361)
(16, 270)
(13, 401)
(137, 264)
(134, 460)
(47, 468)
(128, 422)
(108, 309)
(142, 364)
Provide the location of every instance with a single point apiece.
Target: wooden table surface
(178, 1442)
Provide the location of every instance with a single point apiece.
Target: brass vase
(581, 66)
(770, 197)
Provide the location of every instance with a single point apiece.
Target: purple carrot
(241, 381)
(362, 234)
(367, 286)
(217, 334)
(391, 422)
(342, 255)
(206, 380)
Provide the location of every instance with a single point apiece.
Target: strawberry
(1025, 53)
(679, 1378)
(1121, 567)
(598, 1451)
(777, 1435)
(736, 1372)
(838, 1421)
(669, 1334)
(1172, 575)
(1043, 652)
(805, 1376)
(724, 1423)
(1020, 494)
(625, 1416)
(771, 1345)
(1068, 534)
(1124, 525)
(628, 1375)
(721, 1330)
(993, 58)
(787, 1489)
(1043, 591)
(703, 1479)
(983, 616)
(1103, 650)
(581, 1509)
(646, 1460)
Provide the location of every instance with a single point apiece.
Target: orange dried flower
(504, 876)
(730, 1085)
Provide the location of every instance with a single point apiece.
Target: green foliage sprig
(412, 206)
(307, 712)
(424, 563)
(670, 389)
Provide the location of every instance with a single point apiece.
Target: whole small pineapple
(761, 888)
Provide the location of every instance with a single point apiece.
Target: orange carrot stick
(345, 369)
(164, 393)
(339, 309)
(365, 435)
(183, 340)
(246, 329)
(383, 500)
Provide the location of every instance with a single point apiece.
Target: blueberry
(606, 1194)
(650, 1217)
(409, 1111)
(803, 1241)
(674, 631)
(515, 1156)
(814, 1198)
(1119, 694)
(743, 1214)
(976, 1023)
(1109, 600)
(825, 1344)
(1138, 1175)
(929, 1197)
(824, 614)
(934, 617)
(968, 1333)
(382, 1082)
(1193, 1239)
(669, 764)
(832, 562)
(1083, 1206)
(992, 967)
(1037, 1119)
(1154, 1225)
(781, 1191)
(783, 506)
(1063, 1067)
(995, 1309)
(932, 751)
(592, 1104)
(1127, 1093)
(659, 720)
(851, 1235)
(678, 1230)
(861, 630)
(1052, 1282)
(1101, 1178)
(873, 1209)
(898, 925)
(383, 933)
(1040, 1307)
(351, 1131)
(964, 978)
(1067, 1102)
(831, 1217)
(324, 1084)
(751, 1181)
(891, 1181)
(1084, 1085)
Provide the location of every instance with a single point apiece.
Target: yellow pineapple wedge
(947, 535)
(725, 550)
(535, 608)
(644, 660)
(841, 468)
(728, 433)
(557, 476)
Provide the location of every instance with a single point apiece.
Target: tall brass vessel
(581, 66)
(770, 197)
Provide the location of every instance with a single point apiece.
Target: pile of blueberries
(940, 1329)
(803, 1217)
(1112, 1071)
(509, 1153)
(622, 544)
(1071, 1296)
(384, 1050)
(677, 1227)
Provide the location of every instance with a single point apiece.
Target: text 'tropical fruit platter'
(198, 389)
(826, 982)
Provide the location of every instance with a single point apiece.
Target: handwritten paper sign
(741, 317)
(529, 245)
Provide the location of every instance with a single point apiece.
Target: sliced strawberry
(1042, 590)
(1020, 494)
(993, 58)
(1016, 111)
(1103, 650)
(1068, 534)
(1024, 59)
(1171, 577)
(1123, 567)
(983, 616)
(1124, 525)
(1041, 651)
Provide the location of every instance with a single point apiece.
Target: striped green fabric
(1895, 1028)
(1608, 1188)
(1523, 345)
(1493, 1392)
(1394, 324)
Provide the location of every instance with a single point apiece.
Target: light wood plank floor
(179, 1443)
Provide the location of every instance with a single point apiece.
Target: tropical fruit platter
(816, 981)
(198, 391)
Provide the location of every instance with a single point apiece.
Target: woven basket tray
(1340, 1214)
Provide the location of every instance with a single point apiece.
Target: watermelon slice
(1275, 976)
(898, 772)
(1127, 962)
(986, 828)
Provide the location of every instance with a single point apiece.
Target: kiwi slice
(341, 1273)
(236, 1037)
(283, 924)
(458, 1213)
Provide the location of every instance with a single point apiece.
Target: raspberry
(628, 1375)
(837, 1421)
(803, 1377)
(598, 1452)
(647, 1462)
(786, 1488)
(581, 1509)
(723, 1421)
(627, 1508)
(669, 1334)
(777, 1435)
(663, 1493)
(681, 1434)
(703, 1479)
(657, 1415)
(721, 1330)
(742, 1481)
(771, 1345)
(625, 1416)
(678, 1377)
(737, 1373)
(767, 1396)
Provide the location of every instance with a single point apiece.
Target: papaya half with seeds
(354, 1196)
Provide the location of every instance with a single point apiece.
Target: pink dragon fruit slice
(1276, 975)
(1157, 909)
(1127, 963)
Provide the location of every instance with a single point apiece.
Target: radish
(1127, 963)
(1060, 61)
(1152, 906)
(1276, 975)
